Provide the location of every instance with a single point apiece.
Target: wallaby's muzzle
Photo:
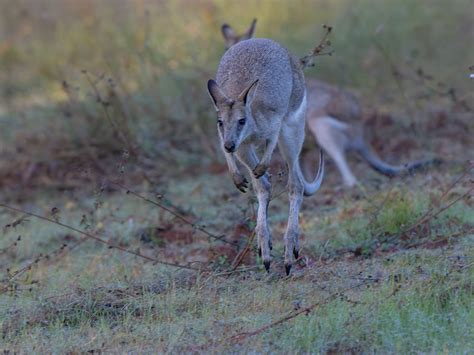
(229, 147)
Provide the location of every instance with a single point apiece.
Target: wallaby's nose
(229, 146)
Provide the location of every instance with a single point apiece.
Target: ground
(379, 281)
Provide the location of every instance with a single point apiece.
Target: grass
(92, 297)
(95, 92)
(417, 304)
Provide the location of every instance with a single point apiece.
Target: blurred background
(82, 82)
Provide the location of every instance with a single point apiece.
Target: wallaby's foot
(348, 178)
(264, 245)
(267, 263)
(296, 253)
(260, 170)
(288, 260)
(240, 182)
(350, 183)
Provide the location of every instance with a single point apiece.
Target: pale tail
(311, 187)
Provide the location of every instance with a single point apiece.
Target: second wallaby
(260, 98)
(334, 117)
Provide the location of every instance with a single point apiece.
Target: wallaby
(334, 118)
(260, 98)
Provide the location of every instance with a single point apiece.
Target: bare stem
(96, 238)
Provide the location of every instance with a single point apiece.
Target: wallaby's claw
(267, 265)
(241, 183)
(260, 170)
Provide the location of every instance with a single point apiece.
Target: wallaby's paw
(296, 253)
(288, 269)
(349, 180)
(260, 170)
(267, 263)
(240, 182)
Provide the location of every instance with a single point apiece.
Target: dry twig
(241, 255)
(172, 212)
(239, 337)
(308, 60)
(98, 239)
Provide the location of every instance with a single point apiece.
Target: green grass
(420, 303)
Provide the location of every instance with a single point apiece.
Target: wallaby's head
(234, 115)
(231, 38)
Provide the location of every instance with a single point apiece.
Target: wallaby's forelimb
(262, 167)
(239, 180)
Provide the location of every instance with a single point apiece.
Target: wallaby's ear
(217, 96)
(249, 33)
(247, 94)
(228, 32)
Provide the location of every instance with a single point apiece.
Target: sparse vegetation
(107, 128)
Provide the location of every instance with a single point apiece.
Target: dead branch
(172, 212)
(98, 239)
(309, 59)
(244, 335)
(431, 213)
(239, 337)
(11, 246)
(241, 255)
(445, 238)
(105, 108)
(429, 216)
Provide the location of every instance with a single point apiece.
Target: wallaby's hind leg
(246, 154)
(332, 136)
(290, 144)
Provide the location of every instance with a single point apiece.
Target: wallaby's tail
(391, 170)
(311, 187)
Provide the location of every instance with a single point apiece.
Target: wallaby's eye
(220, 123)
(242, 121)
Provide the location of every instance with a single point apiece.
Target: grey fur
(260, 83)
